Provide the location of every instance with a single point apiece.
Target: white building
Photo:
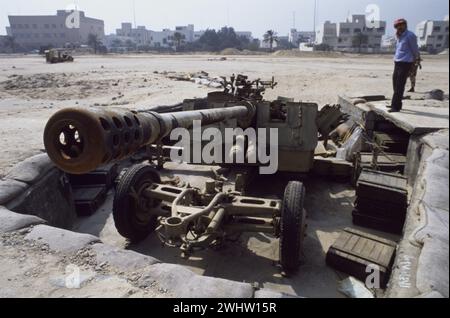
(140, 35)
(266, 45)
(117, 43)
(280, 40)
(246, 34)
(389, 44)
(187, 32)
(296, 37)
(327, 34)
(162, 38)
(3, 44)
(352, 35)
(165, 38)
(433, 35)
(198, 35)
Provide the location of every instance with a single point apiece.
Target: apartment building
(139, 35)
(3, 44)
(162, 38)
(32, 32)
(353, 35)
(327, 34)
(433, 35)
(187, 32)
(296, 37)
(142, 36)
(198, 34)
(246, 34)
(165, 38)
(280, 40)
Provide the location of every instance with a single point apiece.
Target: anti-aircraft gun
(78, 140)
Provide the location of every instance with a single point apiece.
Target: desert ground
(31, 90)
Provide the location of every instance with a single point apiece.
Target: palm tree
(10, 42)
(270, 37)
(94, 42)
(178, 38)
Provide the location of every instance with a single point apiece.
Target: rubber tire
(123, 207)
(292, 226)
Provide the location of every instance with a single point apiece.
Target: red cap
(399, 21)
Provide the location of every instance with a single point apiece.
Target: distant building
(352, 36)
(306, 47)
(187, 32)
(433, 35)
(3, 44)
(246, 34)
(158, 39)
(164, 38)
(266, 45)
(389, 44)
(117, 43)
(327, 34)
(32, 32)
(280, 42)
(297, 37)
(198, 35)
(139, 35)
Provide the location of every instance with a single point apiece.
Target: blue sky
(245, 15)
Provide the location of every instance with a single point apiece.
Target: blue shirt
(407, 48)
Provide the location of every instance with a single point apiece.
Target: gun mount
(241, 87)
(79, 140)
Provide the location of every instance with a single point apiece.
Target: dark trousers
(401, 73)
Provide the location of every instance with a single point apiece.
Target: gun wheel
(292, 227)
(132, 211)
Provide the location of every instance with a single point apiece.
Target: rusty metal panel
(355, 250)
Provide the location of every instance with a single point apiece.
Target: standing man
(406, 54)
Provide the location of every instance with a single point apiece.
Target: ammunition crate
(355, 250)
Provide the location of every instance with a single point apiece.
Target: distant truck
(53, 56)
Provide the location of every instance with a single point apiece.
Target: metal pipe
(216, 221)
(254, 228)
(176, 225)
(79, 140)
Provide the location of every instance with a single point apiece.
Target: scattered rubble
(55, 85)
(200, 78)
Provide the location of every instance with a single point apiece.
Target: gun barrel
(79, 140)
